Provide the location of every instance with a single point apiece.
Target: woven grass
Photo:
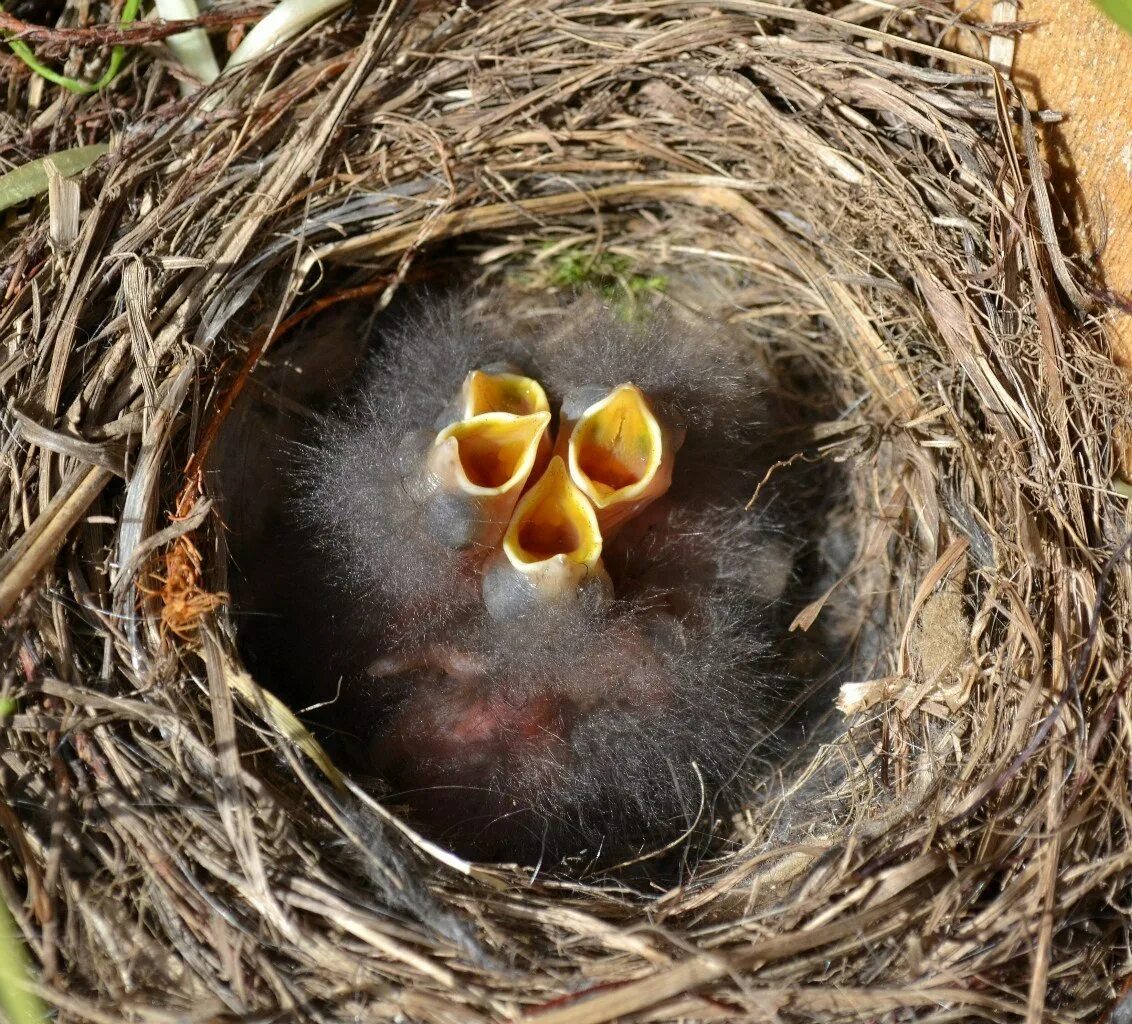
(854, 197)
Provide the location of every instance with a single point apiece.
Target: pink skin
(460, 741)
(456, 722)
(444, 747)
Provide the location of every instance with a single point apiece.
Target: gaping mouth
(484, 463)
(502, 392)
(551, 548)
(553, 520)
(620, 454)
(493, 452)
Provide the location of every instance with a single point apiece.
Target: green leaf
(19, 1006)
(1119, 10)
(30, 179)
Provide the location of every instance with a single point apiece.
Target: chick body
(601, 723)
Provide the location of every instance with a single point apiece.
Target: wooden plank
(1079, 62)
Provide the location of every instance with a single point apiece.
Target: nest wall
(839, 186)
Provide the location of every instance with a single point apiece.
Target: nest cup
(838, 188)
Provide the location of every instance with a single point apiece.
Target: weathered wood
(1080, 63)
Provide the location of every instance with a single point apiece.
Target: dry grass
(859, 201)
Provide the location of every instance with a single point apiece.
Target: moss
(611, 275)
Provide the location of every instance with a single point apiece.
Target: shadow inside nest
(610, 734)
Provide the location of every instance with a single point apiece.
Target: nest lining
(834, 183)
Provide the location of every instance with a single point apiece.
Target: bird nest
(840, 183)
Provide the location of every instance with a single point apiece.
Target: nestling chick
(544, 636)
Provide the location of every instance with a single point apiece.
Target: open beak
(620, 454)
(501, 392)
(487, 460)
(551, 549)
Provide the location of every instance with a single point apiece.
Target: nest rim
(965, 360)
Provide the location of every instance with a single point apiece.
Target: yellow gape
(551, 548)
(621, 455)
(488, 459)
(553, 521)
(501, 392)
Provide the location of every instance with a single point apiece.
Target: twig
(56, 40)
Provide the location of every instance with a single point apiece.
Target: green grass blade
(117, 56)
(30, 179)
(17, 1004)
